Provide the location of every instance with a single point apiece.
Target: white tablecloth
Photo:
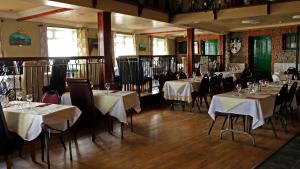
(235, 75)
(259, 106)
(26, 121)
(115, 102)
(181, 90)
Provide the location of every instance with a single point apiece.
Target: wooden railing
(35, 74)
(140, 72)
(207, 63)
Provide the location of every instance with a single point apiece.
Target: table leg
(231, 130)
(70, 140)
(122, 127)
(131, 125)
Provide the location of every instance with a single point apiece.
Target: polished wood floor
(164, 139)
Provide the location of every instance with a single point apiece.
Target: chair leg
(47, 148)
(43, 146)
(32, 152)
(211, 126)
(62, 142)
(244, 123)
(122, 127)
(70, 142)
(273, 127)
(8, 162)
(197, 102)
(224, 122)
(20, 150)
(206, 102)
(131, 124)
(231, 126)
(93, 134)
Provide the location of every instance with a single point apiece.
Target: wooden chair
(9, 141)
(52, 97)
(82, 97)
(228, 84)
(280, 106)
(202, 92)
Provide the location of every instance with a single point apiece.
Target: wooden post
(190, 46)
(105, 43)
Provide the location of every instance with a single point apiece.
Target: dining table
(181, 90)
(234, 74)
(26, 118)
(113, 102)
(258, 105)
(29, 119)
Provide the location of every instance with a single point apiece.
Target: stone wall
(278, 54)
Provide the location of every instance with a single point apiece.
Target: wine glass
(92, 84)
(19, 95)
(295, 77)
(177, 76)
(238, 88)
(29, 99)
(107, 86)
(194, 75)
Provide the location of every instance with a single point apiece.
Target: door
(262, 56)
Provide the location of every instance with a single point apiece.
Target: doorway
(260, 56)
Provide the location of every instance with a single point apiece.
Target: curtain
(1, 49)
(44, 40)
(82, 46)
(166, 46)
(151, 45)
(82, 42)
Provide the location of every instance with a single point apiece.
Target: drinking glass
(29, 99)
(178, 76)
(92, 84)
(19, 95)
(194, 75)
(248, 84)
(239, 88)
(295, 77)
(267, 83)
(107, 86)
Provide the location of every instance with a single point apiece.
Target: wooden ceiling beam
(43, 14)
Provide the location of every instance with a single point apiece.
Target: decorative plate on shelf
(235, 46)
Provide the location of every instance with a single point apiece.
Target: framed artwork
(142, 47)
(19, 39)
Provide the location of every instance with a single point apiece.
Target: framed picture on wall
(142, 47)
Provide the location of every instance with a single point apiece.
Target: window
(62, 42)
(210, 47)
(289, 41)
(182, 47)
(196, 47)
(123, 45)
(158, 46)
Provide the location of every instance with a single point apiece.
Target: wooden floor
(164, 139)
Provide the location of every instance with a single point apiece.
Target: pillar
(105, 43)
(190, 46)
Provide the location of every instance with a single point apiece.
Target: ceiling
(84, 17)
(230, 20)
(227, 20)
